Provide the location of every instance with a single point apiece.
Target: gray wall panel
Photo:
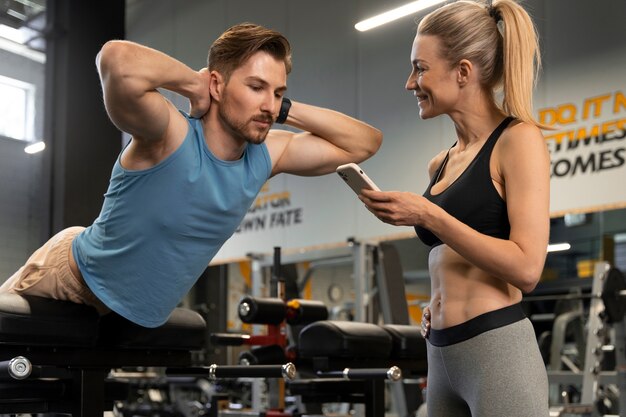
(363, 74)
(23, 185)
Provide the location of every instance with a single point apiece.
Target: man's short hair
(233, 48)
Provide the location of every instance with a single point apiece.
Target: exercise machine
(600, 380)
(57, 356)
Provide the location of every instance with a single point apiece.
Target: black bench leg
(375, 398)
(88, 392)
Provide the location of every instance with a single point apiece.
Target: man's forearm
(352, 135)
(138, 69)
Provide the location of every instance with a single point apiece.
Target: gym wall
(23, 185)
(64, 185)
(363, 75)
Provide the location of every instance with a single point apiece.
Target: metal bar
(568, 377)
(595, 327)
(347, 260)
(307, 255)
(620, 355)
(392, 374)
(287, 371)
(88, 392)
(361, 290)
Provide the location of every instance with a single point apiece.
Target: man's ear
(216, 85)
(465, 69)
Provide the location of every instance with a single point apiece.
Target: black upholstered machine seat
(352, 342)
(349, 357)
(72, 350)
(344, 339)
(406, 341)
(37, 321)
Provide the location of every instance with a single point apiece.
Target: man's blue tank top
(159, 228)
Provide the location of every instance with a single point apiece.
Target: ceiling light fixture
(16, 14)
(558, 247)
(11, 34)
(35, 147)
(395, 14)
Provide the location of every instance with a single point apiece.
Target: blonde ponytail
(521, 59)
(500, 39)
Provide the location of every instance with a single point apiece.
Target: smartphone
(356, 178)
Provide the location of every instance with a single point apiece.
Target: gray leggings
(498, 373)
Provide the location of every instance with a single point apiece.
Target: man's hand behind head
(199, 104)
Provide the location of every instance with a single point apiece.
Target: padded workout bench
(353, 360)
(55, 356)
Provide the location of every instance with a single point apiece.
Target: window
(17, 109)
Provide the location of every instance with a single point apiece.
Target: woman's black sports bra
(472, 198)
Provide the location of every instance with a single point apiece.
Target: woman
(485, 212)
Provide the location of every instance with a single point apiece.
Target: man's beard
(245, 129)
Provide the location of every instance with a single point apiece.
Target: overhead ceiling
(27, 16)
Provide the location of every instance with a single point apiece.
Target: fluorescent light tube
(35, 147)
(557, 247)
(395, 14)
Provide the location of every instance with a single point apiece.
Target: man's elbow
(372, 145)
(377, 140)
(111, 58)
(528, 287)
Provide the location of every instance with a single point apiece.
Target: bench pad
(30, 320)
(184, 329)
(407, 341)
(344, 339)
(37, 321)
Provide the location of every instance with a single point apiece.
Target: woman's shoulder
(436, 162)
(520, 139)
(519, 136)
(521, 130)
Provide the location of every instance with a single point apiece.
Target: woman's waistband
(479, 324)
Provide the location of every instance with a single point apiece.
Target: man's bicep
(146, 116)
(303, 154)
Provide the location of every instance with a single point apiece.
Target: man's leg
(47, 273)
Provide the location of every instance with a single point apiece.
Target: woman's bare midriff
(460, 291)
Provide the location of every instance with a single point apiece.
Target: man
(181, 187)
